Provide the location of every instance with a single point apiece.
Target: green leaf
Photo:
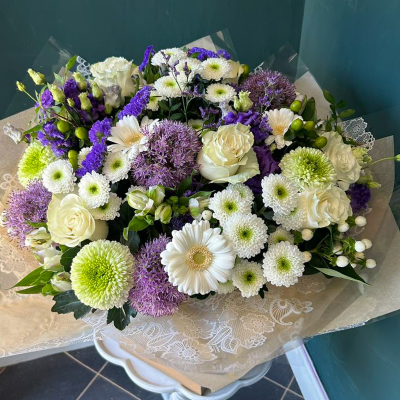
(31, 290)
(175, 106)
(341, 104)
(35, 128)
(30, 278)
(328, 126)
(176, 116)
(132, 241)
(71, 62)
(163, 105)
(121, 316)
(43, 278)
(309, 112)
(328, 96)
(68, 256)
(289, 135)
(184, 186)
(351, 276)
(67, 302)
(48, 290)
(137, 224)
(37, 224)
(346, 113)
(58, 78)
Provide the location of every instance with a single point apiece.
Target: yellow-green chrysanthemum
(308, 168)
(102, 274)
(34, 161)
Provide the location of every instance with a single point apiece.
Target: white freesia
(324, 207)
(70, 222)
(114, 71)
(344, 161)
(227, 155)
(38, 239)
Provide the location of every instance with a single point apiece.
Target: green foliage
(184, 186)
(137, 224)
(121, 317)
(309, 112)
(67, 302)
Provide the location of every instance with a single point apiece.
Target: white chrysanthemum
(82, 155)
(59, 177)
(293, 221)
(220, 93)
(225, 288)
(94, 189)
(248, 278)
(227, 203)
(279, 193)
(153, 101)
(167, 56)
(279, 121)
(109, 210)
(246, 194)
(128, 137)
(196, 124)
(116, 166)
(192, 65)
(197, 258)
(280, 235)
(214, 69)
(247, 234)
(283, 264)
(167, 86)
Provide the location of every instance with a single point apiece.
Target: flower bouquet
(184, 177)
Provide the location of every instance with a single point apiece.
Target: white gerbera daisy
(187, 68)
(109, 210)
(167, 56)
(167, 86)
(197, 258)
(82, 155)
(220, 93)
(214, 69)
(279, 121)
(94, 189)
(128, 137)
(116, 167)
(196, 124)
(225, 288)
(227, 203)
(293, 221)
(283, 264)
(279, 193)
(153, 101)
(246, 194)
(248, 278)
(59, 177)
(247, 234)
(280, 235)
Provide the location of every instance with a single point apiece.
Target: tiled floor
(84, 375)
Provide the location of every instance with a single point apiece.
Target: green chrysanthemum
(34, 161)
(308, 168)
(102, 274)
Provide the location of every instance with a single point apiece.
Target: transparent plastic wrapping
(217, 340)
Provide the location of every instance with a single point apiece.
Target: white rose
(114, 71)
(346, 165)
(234, 73)
(70, 222)
(38, 239)
(324, 207)
(227, 155)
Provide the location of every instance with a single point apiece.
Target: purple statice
(50, 136)
(268, 165)
(152, 293)
(100, 131)
(170, 157)
(149, 51)
(269, 89)
(137, 104)
(202, 54)
(72, 91)
(47, 99)
(29, 204)
(251, 118)
(223, 53)
(360, 195)
(177, 223)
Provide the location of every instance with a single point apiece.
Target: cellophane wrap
(215, 341)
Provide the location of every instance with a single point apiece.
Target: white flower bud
(343, 227)
(61, 282)
(137, 199)
(367, 243)
(359, 256)
(360, 221)
(307, 234)
(337, 248)
(12, 132)
(156, 193)
(354, 265)
(342, 261)
(307, 256)
(359, 246)
(207, 215)
(38, 239)
(370, 263)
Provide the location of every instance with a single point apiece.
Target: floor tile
(56, 377)
(280, 371)
(263, 389)
(291, 396)
(100, 389)
(89, 356)
(118, 375)
(295, 387)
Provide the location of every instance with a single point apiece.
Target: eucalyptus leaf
(121, 316)
(174, 117)
(175, 106)
(163, 105)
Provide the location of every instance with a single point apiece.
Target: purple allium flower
(29, 204)
(153, 294)
(179, 222)
(360, 195)
(171, 155)
(267, 166)
(149, 51)
(269, 88)
(52, 137)
(251, 118)
(47, 99)
(137, 104)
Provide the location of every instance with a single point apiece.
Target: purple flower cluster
(98, 135)
(149, 51)
(251, 118)
(52, 137)
(137, 104)
(47, 99)
(171, 155)
(177, 223)
(360, 195)
(153, 294)
(269, 89)
(29, 204)
(267, 166)
(203, 54)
